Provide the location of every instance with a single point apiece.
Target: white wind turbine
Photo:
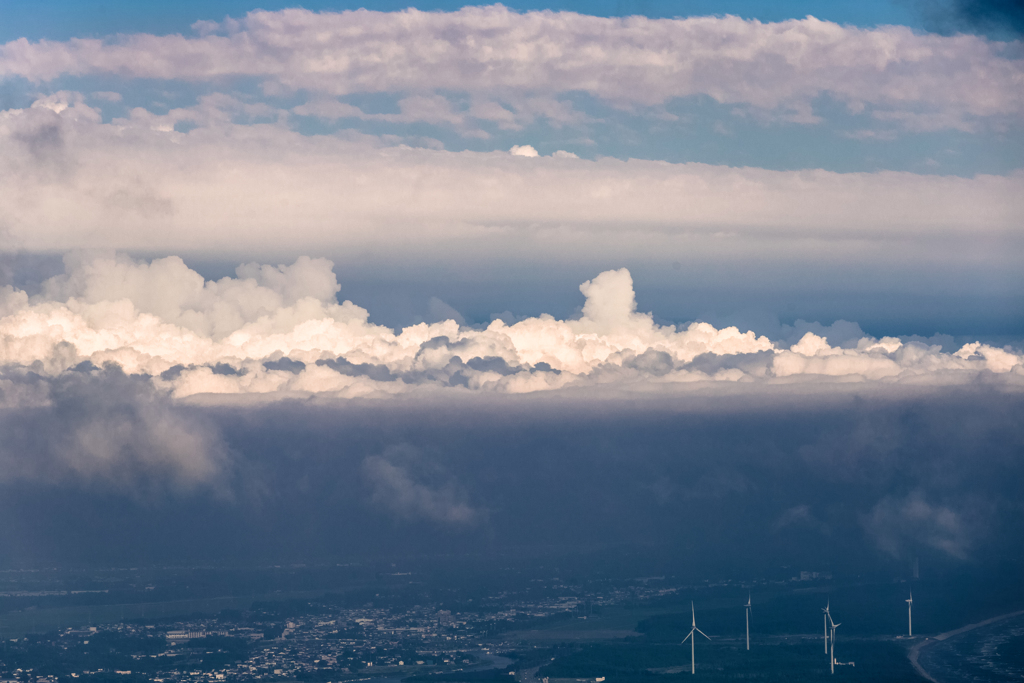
(692, 638)
(910, 615)
(747, 609)
(827, 617)
(832, 657)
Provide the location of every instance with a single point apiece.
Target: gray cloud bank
(728, 482)
(276, 332)
(922, 81)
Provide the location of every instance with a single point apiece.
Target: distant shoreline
(915, 651)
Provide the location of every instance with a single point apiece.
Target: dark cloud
(752, 363)
(999, 19)
(378, 373)
(492, 364)
(286, 364)
(99, 428)
(725, 482)
(225, 369)
(657, 363)
(901, 526)
(800, 515)
(413, 487)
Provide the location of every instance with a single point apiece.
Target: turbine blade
(702, 633)
(687, 637)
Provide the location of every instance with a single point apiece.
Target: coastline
(915, 651)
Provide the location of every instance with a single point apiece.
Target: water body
(993, 652)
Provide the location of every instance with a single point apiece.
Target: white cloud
(523, 151)
(232, 336)
(926, 81)
(72, 181)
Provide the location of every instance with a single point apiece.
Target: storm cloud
(729, 481)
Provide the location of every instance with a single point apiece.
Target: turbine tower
(826, 618)
(692, 638)
(747, 606)
(910, 615)
(832, 657)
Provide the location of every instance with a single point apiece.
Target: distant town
(535, 629)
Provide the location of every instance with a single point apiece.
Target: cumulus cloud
(412, 487)
(73, 181)
(780, 67)
(523, 151)
(279, 331)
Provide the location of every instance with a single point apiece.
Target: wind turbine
(692, 638)
(832, 663)
(747, 609)
(827, 617)
(910, 615)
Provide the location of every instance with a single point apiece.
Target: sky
(435, 276)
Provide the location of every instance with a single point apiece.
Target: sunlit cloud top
(279, 331)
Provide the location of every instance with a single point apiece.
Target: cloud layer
(279, 331)
(922, 81)
(73, 181)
